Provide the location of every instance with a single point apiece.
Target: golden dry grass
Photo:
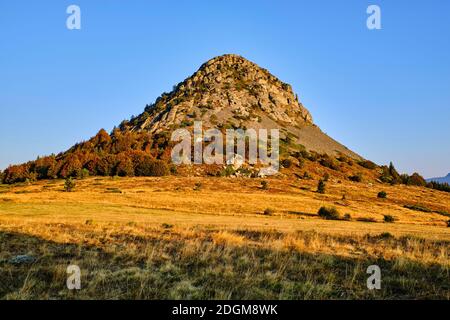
(147, 238)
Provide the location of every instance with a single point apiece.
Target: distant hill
(441, 180)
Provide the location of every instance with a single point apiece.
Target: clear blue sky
(383, 93)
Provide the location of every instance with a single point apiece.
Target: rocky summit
(230, 91)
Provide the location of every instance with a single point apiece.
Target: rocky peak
(226, 91)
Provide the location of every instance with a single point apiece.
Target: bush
(328, 162)
(228, 171)
(286, 163)
(268, 212)
(264, 185)
(329, 213)
(198, 186)
(301, 162)
(326, 177)
(69, 184)
(386, 235)
(83, 173)
(306, 176)
(417, 207)
(125, 168)
(347, 217)
(356, 178)
(382, 195)
(388, 218)
(416, 180)
(366, 219)
(149, 167)
(367, 164)
(321, 187)
(312, 156)
(390, 175)
(448, 223)
(16, 173)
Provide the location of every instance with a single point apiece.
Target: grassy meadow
(222, 238)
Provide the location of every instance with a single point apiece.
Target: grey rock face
(226, 90)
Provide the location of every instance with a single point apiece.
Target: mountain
(441, 180)
(226, 92)
(230, 91)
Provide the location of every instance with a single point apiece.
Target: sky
(383, 93)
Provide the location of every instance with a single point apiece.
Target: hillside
(226, 92)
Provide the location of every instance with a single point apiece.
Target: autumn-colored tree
(416, 180)
(150, 167)
(125, 166)
(16, 173)
(45, 167)
(101, 140)
(71, 167)
(106, 165)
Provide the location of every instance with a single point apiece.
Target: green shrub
(328, 162)
(326, 177)
(321, 187)
(382, 195)
(367, 164)
(386, 235)
(417, 207)
(113, 190)
(388, 218)
(356, 177)
(286, 163)
(69, 184)
(264, 185)
(347, 217)
(448, 223)
(83, 173)
(268, 212)
(366, 219)
(312, 156)
(227, 171)
(198, 186)
(330, 213)
(301, 162)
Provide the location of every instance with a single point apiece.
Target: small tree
(388, 218)
(382, 195)
(83, 173)
(286, 163)
(356, 177)
(321, 187)
(329, 213)
(264, 185)
(69, 184)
